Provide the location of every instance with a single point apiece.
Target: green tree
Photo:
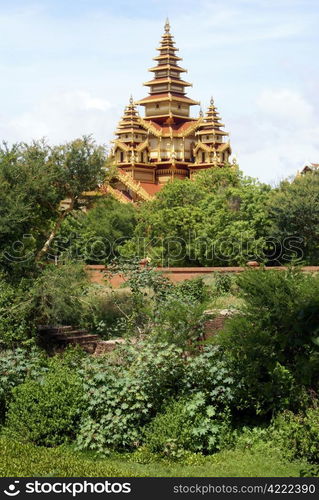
(219, 218)
(34, 179)
(273, 344)
(95, 236)
(294, 214)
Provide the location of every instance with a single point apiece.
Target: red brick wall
(97, 273)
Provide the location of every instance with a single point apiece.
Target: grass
(26, 460)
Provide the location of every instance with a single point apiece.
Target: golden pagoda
(167, 142)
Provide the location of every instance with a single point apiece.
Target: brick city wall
(97, 273)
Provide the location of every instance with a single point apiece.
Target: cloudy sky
(67, 68)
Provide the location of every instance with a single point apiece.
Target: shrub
(178, 321)
(190, 424)
(106, 312)
(15, 325)
(122, 395)
(47, 411)
(298, 434)
(56, 296)
(273, 345)
(15, 366)
(97, 235)
(222, 283)
(194, 290)
(209, 373)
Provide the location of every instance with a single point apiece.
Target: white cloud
(67, 72)
(275, 141)
(63, 116)
(286, 105)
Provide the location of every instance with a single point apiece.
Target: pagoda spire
(212, 120)
(212, 149)
(129, 125)
(167, 88)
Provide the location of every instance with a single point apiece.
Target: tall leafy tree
(95, 236)
(34, 180)
(219, 218)
(294, 215)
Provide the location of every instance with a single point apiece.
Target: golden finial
(167, 26)
(212, 101)
(131, 99)
(201, 114)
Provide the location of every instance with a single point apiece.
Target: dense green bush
(46, 411)
(124, 391)
(273, 345)
(222, 283)
(171, 313)
(56, 295)
(294, 215)
(298, 434)
(15, 366)
(178, 321)
(122, 395)
(190, 424)
(107, 312)
(209, 373)
(193, 289)
(96, 236)
(220, 218)
(16, 325)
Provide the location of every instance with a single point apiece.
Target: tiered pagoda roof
(211, 123)
(130, 122)
(167, 84)
(166, 143)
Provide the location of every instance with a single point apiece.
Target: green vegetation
(167, 401)
(34, 179)
(294, 216)
(96, 236)
(218, 219)
(46, 411)
(272, 345)
(24, 459)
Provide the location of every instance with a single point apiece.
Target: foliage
(222, 283)
(34, 179)
(56, 295)
(122, 397)
(297, 434)
(188, 424)
(46, 411)
(28, 202)
(178, 321)
(26, 460)
(16, 326)
(168, 312)
(107, 312)
(294, 214)
(94, 236)
(15, 367)
(194, 289)
(273, 344)
(123, 393)
(209, 373)
(219, 218)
